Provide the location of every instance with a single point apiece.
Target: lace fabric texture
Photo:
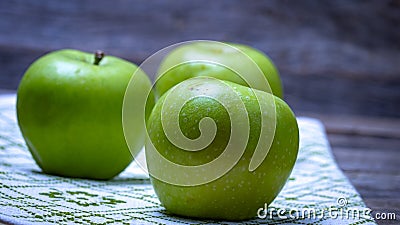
(28, 196)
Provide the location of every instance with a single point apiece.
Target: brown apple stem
(98, 56)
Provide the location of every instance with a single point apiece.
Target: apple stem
(98, 56)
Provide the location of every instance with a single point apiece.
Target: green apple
(69, 108)
(240, 191)
(183, 63)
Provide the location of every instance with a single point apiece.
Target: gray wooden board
(335, 57)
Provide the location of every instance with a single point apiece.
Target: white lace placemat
(316, 193)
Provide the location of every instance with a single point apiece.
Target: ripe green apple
(240, 192)
(183, 63)
(69, 108)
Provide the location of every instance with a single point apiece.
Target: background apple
(238, 193)
(69, 107)
(175, 69)
(266, 65)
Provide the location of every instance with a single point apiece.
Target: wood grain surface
(335, 57)
(367, 150)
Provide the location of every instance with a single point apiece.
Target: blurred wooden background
(339, 60)
(335, 57)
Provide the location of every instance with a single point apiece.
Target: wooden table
(367, 150)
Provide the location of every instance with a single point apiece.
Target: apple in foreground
(239, 193)
(69, 108)
(182, 63)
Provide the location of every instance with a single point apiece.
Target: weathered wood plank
(376, 176)
(5, 91)
(367, 150)
(341, 58)
(367, 143)
(308, 43)
(372, 161)
(377, 127)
